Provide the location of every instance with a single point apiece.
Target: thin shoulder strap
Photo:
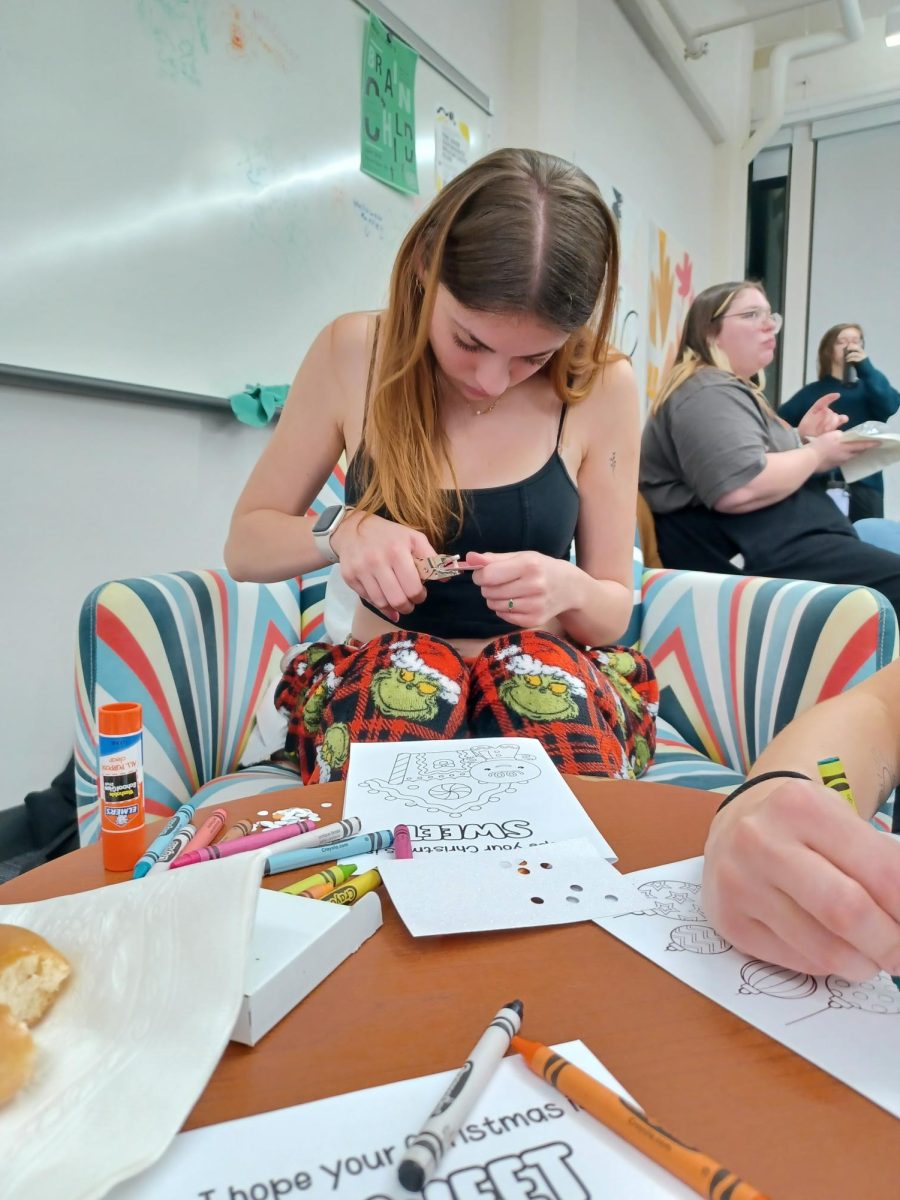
(562, 421)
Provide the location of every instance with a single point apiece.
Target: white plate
(122, 1057)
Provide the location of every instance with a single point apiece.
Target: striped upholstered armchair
(736, 658)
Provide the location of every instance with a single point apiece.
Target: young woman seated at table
(793, 874)
(724, 476)
(484, 415)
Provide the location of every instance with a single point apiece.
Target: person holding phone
(862, 394)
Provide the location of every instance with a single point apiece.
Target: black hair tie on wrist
(749, 783)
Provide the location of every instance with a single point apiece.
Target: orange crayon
(208, 831)
(318, 891)
(700, 1172)
(330, 877)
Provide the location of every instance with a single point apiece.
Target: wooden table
(403, 1007)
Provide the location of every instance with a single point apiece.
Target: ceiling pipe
(784, 54)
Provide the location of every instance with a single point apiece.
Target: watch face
(326, 519)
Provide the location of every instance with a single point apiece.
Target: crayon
(402, 842)
(151, 855)
(208, 831)
(240, 830)
(331, 876)
(319, 892)
(694, 1168)
(349, 892)
(363, 843)
(174, 848)
(328, 878)
(322, 835)
(428, 1147)
(253, 841)
(833, 775)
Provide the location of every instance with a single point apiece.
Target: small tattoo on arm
(612, 462)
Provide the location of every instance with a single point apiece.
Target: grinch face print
(539, 690)
(412, 689)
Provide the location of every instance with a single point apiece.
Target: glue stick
(120, 784)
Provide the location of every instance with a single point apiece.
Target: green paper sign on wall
(388, 119)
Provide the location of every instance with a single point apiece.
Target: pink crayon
(402, 842)
(253, 841)
(208, 831)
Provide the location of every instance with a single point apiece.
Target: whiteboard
(182, 205)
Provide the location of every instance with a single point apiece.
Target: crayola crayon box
(295, 945)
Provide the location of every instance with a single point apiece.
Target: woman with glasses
(726, 479)
(861, 394)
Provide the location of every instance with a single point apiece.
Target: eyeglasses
(758, 316)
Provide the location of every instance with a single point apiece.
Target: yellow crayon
(348, 892)
(833, 775)
(331, 875)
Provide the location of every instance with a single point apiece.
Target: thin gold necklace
(482, 412)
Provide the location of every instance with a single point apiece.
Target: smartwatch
(326, 523)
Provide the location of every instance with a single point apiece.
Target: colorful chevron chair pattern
(736, 658)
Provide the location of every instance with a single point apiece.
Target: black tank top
(538, 513)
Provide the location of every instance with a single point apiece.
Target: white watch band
(323, 538)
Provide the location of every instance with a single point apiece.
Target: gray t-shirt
(710, 437)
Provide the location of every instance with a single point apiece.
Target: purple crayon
(254, 841)
(402, 842)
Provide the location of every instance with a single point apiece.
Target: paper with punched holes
(549, 885)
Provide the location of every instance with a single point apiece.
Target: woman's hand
(794, 876)
(855, 354)
(821, 418)
(376, 560)
(524, 588)
(833, 449)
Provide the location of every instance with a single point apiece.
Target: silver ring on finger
(510, 604)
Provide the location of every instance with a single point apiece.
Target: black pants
(865, 502)
(802, 537)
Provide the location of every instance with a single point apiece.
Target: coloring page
(557, 884)
(851, 1030)
(465, 796)
(522, 1139)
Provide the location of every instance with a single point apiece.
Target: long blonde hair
(698, 348)
(518, 232)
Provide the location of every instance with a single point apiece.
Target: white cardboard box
(295, 944)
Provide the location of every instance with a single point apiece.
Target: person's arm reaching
(792, 874)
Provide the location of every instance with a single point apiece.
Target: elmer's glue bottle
(120, 783)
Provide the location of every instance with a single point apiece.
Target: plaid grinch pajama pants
(592, 710)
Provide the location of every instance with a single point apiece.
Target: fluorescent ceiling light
(892, 28)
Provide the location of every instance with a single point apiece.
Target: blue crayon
(363, 843)
(153, 853)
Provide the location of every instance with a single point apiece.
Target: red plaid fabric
(593, 710)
